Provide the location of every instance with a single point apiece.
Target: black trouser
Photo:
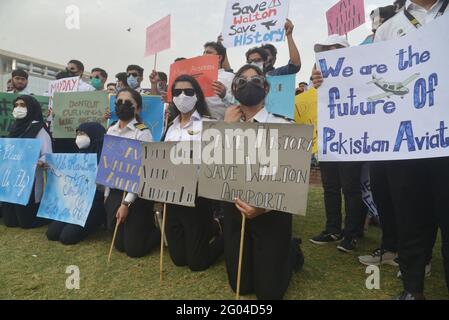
(16, 215)
(192, 235)
(70, 234)
(138, 236)
(420, 193)
(338, 176)
(267, 255)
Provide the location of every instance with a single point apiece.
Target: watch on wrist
(126, 203)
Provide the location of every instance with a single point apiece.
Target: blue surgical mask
(132, 82)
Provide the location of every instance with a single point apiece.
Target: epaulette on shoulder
(283, 117)
(141, 126)
(209, 118)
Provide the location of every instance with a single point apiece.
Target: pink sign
(158, 36)
(345, 16)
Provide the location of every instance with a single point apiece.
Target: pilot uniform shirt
(399, 25)
(190, 132)
(263, 116)
(136, 131)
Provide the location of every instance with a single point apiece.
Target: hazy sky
(37, 28)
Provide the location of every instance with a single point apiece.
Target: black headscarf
(25, 128)
(96, 133)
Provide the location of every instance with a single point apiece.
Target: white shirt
(263, 116)
(400, 25)
(46, 148)
(190, 132)
(129, 132)
(217, 106)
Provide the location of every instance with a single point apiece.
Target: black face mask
(124, 111)
(70, 73)
(250, 95)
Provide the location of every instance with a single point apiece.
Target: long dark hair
(136, 97)
(201, 105)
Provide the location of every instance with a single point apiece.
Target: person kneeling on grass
(270, 255)
(89, 139)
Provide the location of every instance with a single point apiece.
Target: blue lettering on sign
(426, 142)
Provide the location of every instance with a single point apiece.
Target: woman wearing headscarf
(89, 139)
(29, 124)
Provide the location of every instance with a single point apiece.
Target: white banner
(253, 22)
(388, 100)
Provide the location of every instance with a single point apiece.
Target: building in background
(40, 72)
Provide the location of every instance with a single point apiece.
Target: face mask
(250, 95)
(83, 142)
(132, 82)
(70, 73)
(19, 112)
(257, 64)
(124, 112)
(184, 103)
(96, 83)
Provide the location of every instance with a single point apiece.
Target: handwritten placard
(120, 164)
(70, 188)
(62, 85)
(253, 22)
(18, 161)
(281, 98)
(164, 178)
(77, 108)
(392, 106)
(265, 165)
(204, 69)
(306, 112)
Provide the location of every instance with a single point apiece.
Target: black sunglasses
(126, 103)
(187, 92)
(135, 75)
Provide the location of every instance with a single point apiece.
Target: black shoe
(298, 256)
(409, 296)
(347, 245)
(325, 237)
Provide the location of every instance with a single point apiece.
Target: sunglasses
(135, 75)
(126, 103)
(241, 82)
(187, 92)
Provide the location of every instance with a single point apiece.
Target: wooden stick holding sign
(117, 224)
(239, 270)
(155, 61)
(161, 266)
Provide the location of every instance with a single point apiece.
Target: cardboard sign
(120, 164)
(158, 36)
(345, 16)
(265, 165)
(164, 179)
(77, 108)
(204, 69)
(70, 188)
(62, 85)
(389, 106)
(18, 162)
(253, 22)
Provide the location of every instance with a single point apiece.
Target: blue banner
(70, 188)
(120, 164)
(18, 161)
(281, 98)
(152, 114)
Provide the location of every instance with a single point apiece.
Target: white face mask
(83, 142)
(258, 64)
(19, 112)
(184, 103)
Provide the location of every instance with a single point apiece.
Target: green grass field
(33, 268)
